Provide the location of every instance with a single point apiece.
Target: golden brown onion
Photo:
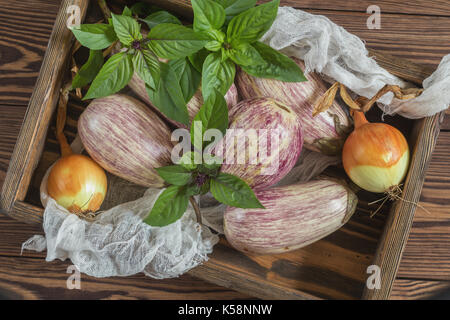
(375, 155)
(77, 183)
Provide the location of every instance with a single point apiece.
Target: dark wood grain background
(417, 30)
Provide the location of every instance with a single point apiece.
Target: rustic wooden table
(418, 30)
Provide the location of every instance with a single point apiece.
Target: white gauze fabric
(329, 49)
(119, 243)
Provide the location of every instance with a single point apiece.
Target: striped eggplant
(325, 132)
(126, 138)
(295, 216)
(138, 86)
(261, 157)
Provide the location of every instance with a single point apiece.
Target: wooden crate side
(31, 139)
(253, 286)
(400, 219)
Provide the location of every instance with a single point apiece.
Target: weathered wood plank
(416, 7)
(11, 118)
(406, 289)
(427, 253)
(25, 29)
(31, 278)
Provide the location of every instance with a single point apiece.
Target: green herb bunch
(224, 34)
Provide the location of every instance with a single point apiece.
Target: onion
(375, 155)
(75, 181)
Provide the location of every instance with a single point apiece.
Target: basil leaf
(172, 41)
(207, 15)
(198, 58)
(212, 115)
(168, 97)
(244, 54)
(146, 65)
(175, 174)
(188, 77)
(95, 36)
(233, 191)
(251, 25)
(127, 12)
(169, 207)
(217, 74)
(126, 28)
(235, 7)
(160, 17)
(89, 70)
(275, 65)
(214, 34)
(113, 76)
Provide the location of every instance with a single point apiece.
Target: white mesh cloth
(120, 244)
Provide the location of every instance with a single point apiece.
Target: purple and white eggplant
(126, 138)
(295, 216)
(262, 143)
(325, 132)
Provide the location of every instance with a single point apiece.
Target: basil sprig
(234, 28)
(195, 175)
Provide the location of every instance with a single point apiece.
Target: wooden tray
(334, 267)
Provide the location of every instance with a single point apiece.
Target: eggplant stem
(196, 209)
(361, 103)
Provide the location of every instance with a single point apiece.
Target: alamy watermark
(74, 280)
(74, 19)
(374, 20)
(374, 280)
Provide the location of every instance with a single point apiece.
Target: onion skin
(323, 133)
(262, 113)
(375, 155)
(77, 183)
(126, 138)
(138, 86)
(295, 216)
